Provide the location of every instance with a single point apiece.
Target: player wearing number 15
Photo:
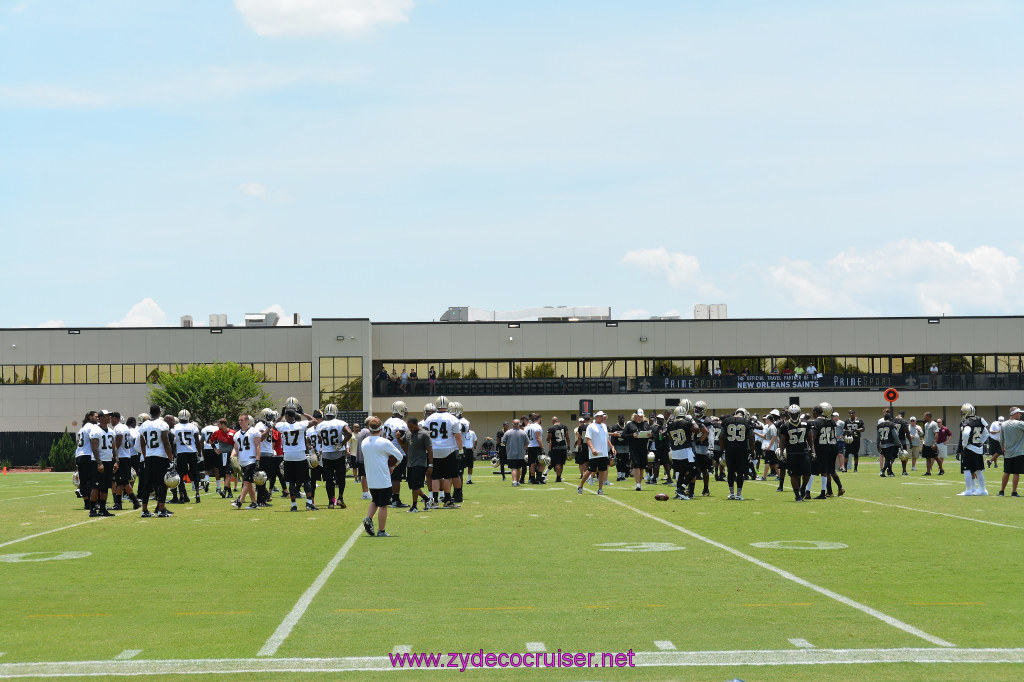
(736, 440)
(446, 440)
(187, 444)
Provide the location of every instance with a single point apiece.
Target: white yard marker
(11, 499)
(127, 654)
(863, 608)
(665, 645)
(402, 649)
(926, 511)
(801, 643)
(54, 530)
(285, 628)
(536, 646)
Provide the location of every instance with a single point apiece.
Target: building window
(341, 382)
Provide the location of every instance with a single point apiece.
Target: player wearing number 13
(446, 440)
(736, 439)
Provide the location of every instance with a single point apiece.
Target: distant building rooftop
(544, 314)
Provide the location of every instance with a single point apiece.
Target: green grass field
(919, 584)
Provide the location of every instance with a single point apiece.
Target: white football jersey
(245, 441)
(534, 435)
(207, 432)
(150, 435)
(293, 440)
(83, 440)
(129, 444)
(105, 441)
(395, 430)
(185, 436)
(267, 444)
(312, 442)
(442, 427)
(331, 435)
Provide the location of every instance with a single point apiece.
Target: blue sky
(390, 158)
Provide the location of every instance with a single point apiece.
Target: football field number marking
(801, 644)
(863, 608)
(638, 547)
(41, 556)
(536, 646)
(127, 654)
(798, 544)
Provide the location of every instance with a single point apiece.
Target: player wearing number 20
(825, 444)
(446, 440)
(736, 440)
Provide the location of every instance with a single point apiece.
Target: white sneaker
(913, 468)
(981, 491)
(638, 487)
(739, 497)
(966, 493)
(732, 496)
(366, 496)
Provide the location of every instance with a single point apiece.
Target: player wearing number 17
(736, 440)
(296, 467)
(446, 440)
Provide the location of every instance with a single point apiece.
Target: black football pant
(156, 468)
(334, 474)
(737, 464)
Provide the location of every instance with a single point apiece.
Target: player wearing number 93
(736, 440)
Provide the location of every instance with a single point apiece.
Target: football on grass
(661, 497)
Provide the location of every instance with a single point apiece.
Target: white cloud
(145, 313)
(310, 17)
(52, 324)
(681, 269)
(917, 276)
(253, 189)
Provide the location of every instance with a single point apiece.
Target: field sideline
(901, 579)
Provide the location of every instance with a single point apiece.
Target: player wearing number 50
(736, 440)
(446, 440)
(380, 456)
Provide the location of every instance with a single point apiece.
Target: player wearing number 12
(446, 440)
(736, 440)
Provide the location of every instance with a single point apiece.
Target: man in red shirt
(222, 440)
(941, 439)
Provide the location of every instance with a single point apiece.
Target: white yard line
(285, 628)
(926, 511)
(27, 497)
(874, 613)
(757, 658)
(54, 530)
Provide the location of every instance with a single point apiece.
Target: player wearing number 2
(736, 440)
(446, 440)
(824, 444)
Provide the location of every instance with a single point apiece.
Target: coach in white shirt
(380, 456)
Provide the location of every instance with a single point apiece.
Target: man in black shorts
(824, 448)
(502, 451)
(793, 440)
(854, 427)
(736, 440)
(421, 455)
(636, 434)
(582, 454)
(558, 446)
(888, 443)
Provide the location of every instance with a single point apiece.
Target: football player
(534, 445)
(446, 440)
(211, 459)
(636, 434)
(502, 450)
(659, 437)
(681, 431)
(469, 443)
(736, 440)
(456, 409)
(333, 435)
(793, 442)
(106, 462)
(396, 431)
(124, 446)
(971, 451)
(296, 465)
(888, 443)
(158, 453)
(824, 449)
(313, 448)
(701, 450)
(771, 446)
(187, 444)
(854, 427)
(222, 440)
(580, 446)
(558, 446)
(86, 458)
(267, 459)
(420, 457)
(621, 448)
(246, 448)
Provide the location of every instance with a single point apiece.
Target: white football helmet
(699, 407)
(455, 408)
(967, 410)
(280, 469)
(291, 402)
(742, 411)
(794, 413)
(826, 410)
(441, 404)
(650, 456)
(429, 409)
(494, 461)
(135, 476)
(171, 479)
(267, 415)
(142, 418)
(400, 408)
(184, 416)
(313, 460)
(330, 411)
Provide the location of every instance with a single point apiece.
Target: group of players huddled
(300, 450)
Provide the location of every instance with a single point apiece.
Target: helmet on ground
(330, 411)
(967, 410)
(441, 403)
(260, 477)
(494, 461)
(794, 413)
(826, 410)
(171, 479)
(400, 408)
(184, 416)
(699, 407)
